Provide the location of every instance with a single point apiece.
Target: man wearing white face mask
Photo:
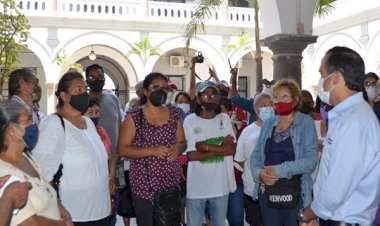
(370, 86)
(263, 108)
(347, 189)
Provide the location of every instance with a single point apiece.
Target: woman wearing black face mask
(307, 105)
(152, 137)
(41, 206)
(69, 139)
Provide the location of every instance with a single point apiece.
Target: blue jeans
(217, 208)
(235, 211)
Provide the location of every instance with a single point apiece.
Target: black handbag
(285, 193)
(125, 206)
(166, 203)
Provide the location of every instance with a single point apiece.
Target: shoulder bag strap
(62, 121)
(57, 176)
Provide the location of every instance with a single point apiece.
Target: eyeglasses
(158, 87)
(28, 119)
(285, 98)
(370, 84)
(93, 78)
(209, 96)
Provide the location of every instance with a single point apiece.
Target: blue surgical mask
(266, 113)
(31, 136)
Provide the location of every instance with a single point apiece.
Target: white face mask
(324, 95)
(185, 107)
(371, 92)
(266, 113)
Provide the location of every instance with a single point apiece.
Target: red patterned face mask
(283, 108)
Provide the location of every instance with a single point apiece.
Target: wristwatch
(301, 216)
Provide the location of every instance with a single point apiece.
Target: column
(51, 98)
(144, 8)
(224, 7)
(287, 54)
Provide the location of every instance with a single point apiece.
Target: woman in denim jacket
(287, 147)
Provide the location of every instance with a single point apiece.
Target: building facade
(71, 29)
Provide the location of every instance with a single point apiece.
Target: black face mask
(80, 102)
(158, 98)
(210, 107)
(306, 107)
(223, 93)
(96, 85)
(95, 121)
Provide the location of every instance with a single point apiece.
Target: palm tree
(258, 56)
(205, 8)
(145, 50)
(323, 7)
(197, 22)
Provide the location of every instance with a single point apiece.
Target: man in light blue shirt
(347, 188)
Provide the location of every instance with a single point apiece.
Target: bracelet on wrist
(301, 217)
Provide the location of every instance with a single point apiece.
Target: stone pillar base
(287, 54)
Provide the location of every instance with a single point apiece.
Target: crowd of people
(202, 156)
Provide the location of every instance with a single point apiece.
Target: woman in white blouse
(42, 207)
(74, 143)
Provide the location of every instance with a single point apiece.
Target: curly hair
(293, 88)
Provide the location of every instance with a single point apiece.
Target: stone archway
(114, 65)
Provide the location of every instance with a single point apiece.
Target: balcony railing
(132, 10)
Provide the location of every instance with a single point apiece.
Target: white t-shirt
(209, 178)
(84, 188)
(246, 143)
(317, 124)
(42, 198)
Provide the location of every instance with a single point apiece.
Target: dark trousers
(103, 222)
(144, 211)
(338, 223)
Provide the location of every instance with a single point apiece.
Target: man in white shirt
(347, 188)
(210, 147)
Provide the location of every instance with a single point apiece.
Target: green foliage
(66, 64)
(14, 33)
(243, 41)
(323, 8)
(197, 22)
(144, 49)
